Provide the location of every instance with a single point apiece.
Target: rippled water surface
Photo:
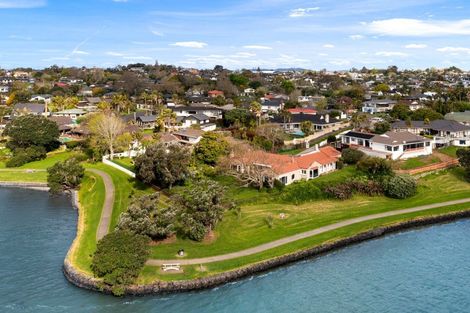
(425, 270)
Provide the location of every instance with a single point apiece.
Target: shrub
(65, 175)
(22, 156)
(375, 167)
(340, 192)
(119, 257)
(400, 186)
(331, 138)
(302, 191)
(351, 156)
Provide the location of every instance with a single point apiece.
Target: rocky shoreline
(82, 280)
(25, 185)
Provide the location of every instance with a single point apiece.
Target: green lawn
(249, 229)
(34, 171)
(450, 151)
(127, 163)
(91, 197)
(151, 273)
(413, 163)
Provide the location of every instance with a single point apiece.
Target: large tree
(32, 131)
(145, 216)
(163, 165)
(107, 127)
(64, 176)
(210, 148)
(464, 159)
(202, 206)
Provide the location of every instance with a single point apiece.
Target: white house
(378, 106)
(41, 98)
(391, 145)
(444, 132)
(74, 114)
(214, 113)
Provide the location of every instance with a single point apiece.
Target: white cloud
(257, 47)
(416, 46)
(454, 49)
(80, 52)
(301, 12)
(115, 54)
(190, 44)
(157, 33)
(391, 54)
(243, 55)
(328, 45)
(356, 37)
(22, 4)
(414, 27)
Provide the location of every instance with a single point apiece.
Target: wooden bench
(171, 267)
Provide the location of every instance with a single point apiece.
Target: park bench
(171, 267)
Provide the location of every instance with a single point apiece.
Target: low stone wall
(81, 280)
(36, 186)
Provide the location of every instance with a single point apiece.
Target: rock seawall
(84, 281)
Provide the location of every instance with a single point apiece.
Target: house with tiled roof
(288, 169)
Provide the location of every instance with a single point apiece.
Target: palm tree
(255, 108)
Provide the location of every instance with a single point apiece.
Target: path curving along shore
(107, 212)
(310, 233)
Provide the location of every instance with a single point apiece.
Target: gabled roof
(396, 138)
(147, 118)
(192, 133)
(438, 125)
(31, 107)
(359, 135)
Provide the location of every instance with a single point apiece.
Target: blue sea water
(424, 270)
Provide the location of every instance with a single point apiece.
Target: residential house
(274, 105)
(378, 106)
(213, 112)
(64, 123)
(146, 121)
(391, 145)
(189, 136)
(74, 114)
(289, 169)
(29, 108)
(41, 98)
(444, 132)
(4, 89)
(215, 93)
(319, 121)
(200, 120)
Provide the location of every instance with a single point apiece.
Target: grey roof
(359, 135)
(395, 138)
(379, 102)
(316, 119)
(199, 116)
(273, 102)
(31, 107)
(147, 118)
(462, 117)
(438, 125)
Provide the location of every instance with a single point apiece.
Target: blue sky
(236, 34)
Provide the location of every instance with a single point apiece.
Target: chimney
(327, 118)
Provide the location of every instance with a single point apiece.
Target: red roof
(215, 93)
(284, 163)
(302, 110)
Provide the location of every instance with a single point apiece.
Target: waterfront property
(391, 145)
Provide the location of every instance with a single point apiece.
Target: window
(284, 180)
(293, 176)
(389, 148)
(428, 143)
(462, 142)
(360, 142)
(395, 148)
(304, 172)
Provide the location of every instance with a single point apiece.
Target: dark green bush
(340, 192)
(400, 186)
(66, 175)
(302, 191)
(351, 156)
(119, 258)
(375, 167)
(22, 156)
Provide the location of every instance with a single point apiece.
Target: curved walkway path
(317, 231)
(107, 211)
